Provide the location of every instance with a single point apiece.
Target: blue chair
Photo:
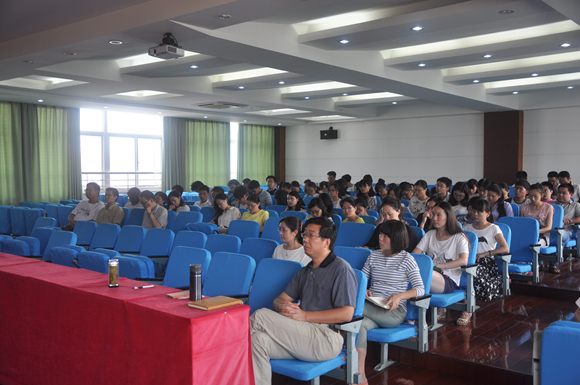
(30, 217)
(43, 235)
(270, 230)
(171, 217)
(340, 212)
(85, 231)
(43, 222)
(221, 242)
(524, 248)
(337, 220)
(555, 251)
(66, 255)
(311, 371)
(559, 349)
(194, 208)
(503, 260)
(105, 236)
(16, 247)
(157, 243)
(99, 262)
(373, 213)
(274, 202)
(126, 217)
(355, 256)
(272, 277)
(185, 217)
(130, 239)
(258, 248)
(177, 273)
(466, 291)
(242, 211)
(18, 220)
(403, 334)
(419, 232)
(300, 214)
(307, 200)
(515, 209)
(368, 219)
(229, 274)
(405, 202)
(52, 212)
(3, 238)
(63, 212)
(58, 238)
(136, 217)
(407, 214)
(244, 229)
(208, 213)
(133, 267)
(206, 228)
(273, 213)
(278, 208)
(5, 224)
(354, 234)
(412, 222)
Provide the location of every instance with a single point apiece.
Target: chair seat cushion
(390, 335)
(306, 371)
(444, 300)
(518, 268)
(548, 250)
(570, 243)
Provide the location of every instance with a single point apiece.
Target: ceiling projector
(166, 51)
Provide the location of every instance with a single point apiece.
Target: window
(234, 127)
(121, 150)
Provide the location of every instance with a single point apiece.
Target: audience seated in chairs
(459, 198)
(318, 209)
(361, 206)
(521, 193)
(176, 202)
(407, 190)
(295, 203)
(241, 196)
(178, 188)
(381, 189)
(290, 233)
(365, 190)
(281, 197)
(499, 207)
(161, 199)
(112, 212)
(86, 210)
(349, 210)
(224, 213)
(335, 195)
(564, 178)
(255, 213)
(155, 215)
(548, 192)
(271, 183)
(203, 193)
(215, 191)
(424, 219)
(390, 270)
(442, 188)
(418, 202)
(264, 196)
(391, 210)
(133, 195)
(448, 245)
(571, 210)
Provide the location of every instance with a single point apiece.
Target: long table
(61, 325)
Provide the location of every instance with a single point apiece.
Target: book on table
(379, 302)
(179, 294)
(215, 303)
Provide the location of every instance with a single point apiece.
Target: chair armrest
(559, 230)
(536, 248)
(470, 269)
(350, 326)
(506, 257)
(422, 302)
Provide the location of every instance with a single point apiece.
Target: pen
(143, 287)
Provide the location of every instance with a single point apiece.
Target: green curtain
(195, 150)
(40, 153)
(255, 152)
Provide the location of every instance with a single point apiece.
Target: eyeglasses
(282, 229)
(109, 195)
(310, 234)
(381, 235)
(347, 208)
(315, 212)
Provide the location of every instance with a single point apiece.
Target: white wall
(552, 142)
(393, 149)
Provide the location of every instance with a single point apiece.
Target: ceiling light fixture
(281, 82)
(476, 81)
(565, 45)
(307, 97)
(570, 87)
(205, 117)
(394, 102)
(487, 56)
(515, 92)
(245, 120)
(223, 17)
(345, 94)
(534, 74)
(343, 41)
(160, 112)
(105, 107)
(70, 53)
(115, 42)
(241, 87)
(506, 11)
(421, 65)
(28, 61)
(417, 28)
(279, 124)
(193, 66)
(40, 100)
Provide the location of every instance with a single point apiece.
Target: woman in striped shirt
(390, 270)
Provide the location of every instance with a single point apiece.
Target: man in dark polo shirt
(326, 288)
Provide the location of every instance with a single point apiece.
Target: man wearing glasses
(86, 210)
(112, 212)
(326, 288)
(155, 215)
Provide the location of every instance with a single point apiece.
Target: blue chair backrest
(18, 220)
(354, 234)
(273, 213)
(58, 238)
(136, 217)
(43, 222)
(130, 239)
(373, 213)
(559, 349)
(190, 239)
(31, 216)
(368, 219)
(557, 222)
(242, 211)
(85, 231)
(307, 200)
(92, 260)
(472, 255)
(229, 274)
(63, 213)
(412, 222)
(208, 213)
(105, 236)
(157, 243)
(405, 202)
(5, 224)
(15, 247)
(65, 255)
(51, 211)
(206, 228)
(270, 230)
(177, 273)
(408, 215)
(272, 277)
(355, 256)
(525, 232)
(244, 229)
(337, 220)
(126, 217)
(258, 248)
(425, 264)
(300, 214)
(507, 233)
(43, 234)
(340, 212)
(185, 217)
(274, 202)
(221, 242)
(419, 232)
(362, 282)
(277, 208)
(171, 217)
(515, 209)
(193, 207)
(131, 267)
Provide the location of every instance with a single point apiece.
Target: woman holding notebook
(390, 270)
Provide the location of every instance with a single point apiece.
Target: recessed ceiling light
(394, 102)
(515, 92)
(116, 42)
(534, 74)
(193, 66)
(28, 61)
(417, 28)
(160, 112)
(40, 100)
(105, 107)
(307, 97)
(344, 41)
(345, 94)
(570, 87)
(476, 81)
(223, 17)
(279, 124)
(506, 11)
(241, 87)
(205, 117)
(281, 82)
(245, 120)
(565, 45)
(70, 53)
(421, 64)
(487, 56)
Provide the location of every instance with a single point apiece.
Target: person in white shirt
(176, 202)
(203, 197)
(224, 213)
(442, 187)
(86, 210)
(292, 249)
(155, 215)
(564, 177)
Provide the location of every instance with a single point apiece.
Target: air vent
(220, 105)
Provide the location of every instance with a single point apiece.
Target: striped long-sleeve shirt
(391, 275)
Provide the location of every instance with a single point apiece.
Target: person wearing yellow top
(349, 210)
(255, 213)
